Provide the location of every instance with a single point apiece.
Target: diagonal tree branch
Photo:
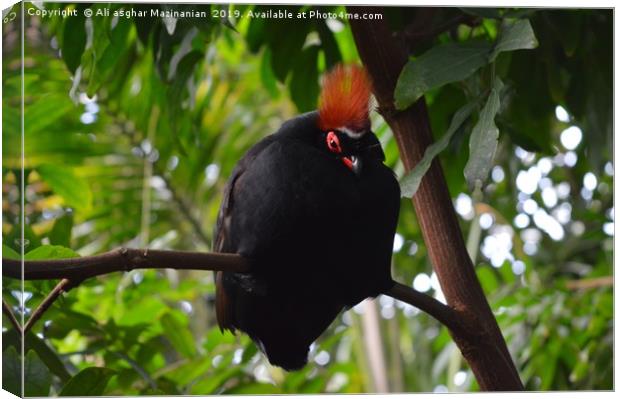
(63, 286)
(426, 303)
(6, 309)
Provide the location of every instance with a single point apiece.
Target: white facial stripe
(351, 133)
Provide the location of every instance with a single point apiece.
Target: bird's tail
(282, 352)
(223, 305)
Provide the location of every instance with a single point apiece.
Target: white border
(480, 3)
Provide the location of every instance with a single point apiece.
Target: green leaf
(249, 351)
(109, 58)
(210, 385)
(37, 377)
(226, 8)
(483, 140)
(190, 371)
(329, 46)
(286, 40)
(45, 353)
(529, 118)
(218, 339)
(550, 354)
(580, 371)
(145, 25)
(168, 386)
(70, 320)
(184, 71)
(445, 63)
(487, 278)
(255, 36)
(50, 252)
(517, 35)
(89, 382)
(11, 371)
(10, 253)
(178, 334)
(304, 82)
(118, 43)
(61, 232)
(64, 182)
(313, 385)
(411, 181)
(266, 73)
(45, 111)
(73, 41)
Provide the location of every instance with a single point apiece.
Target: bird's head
(343, 116)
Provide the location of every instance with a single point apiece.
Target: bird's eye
(333, 143)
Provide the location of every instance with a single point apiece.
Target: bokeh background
(132, 126)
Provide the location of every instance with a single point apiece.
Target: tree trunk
(483, 346)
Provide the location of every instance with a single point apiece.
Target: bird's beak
(354, 163)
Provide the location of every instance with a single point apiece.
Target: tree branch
(75, 270)
(426, 303)
(123, 259)
(63, 286)
(587, 283)
(6, 309)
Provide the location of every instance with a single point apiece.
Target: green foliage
(178, 335)
(74, 191)
(12, 371)
(446, 63)
(290, 59)
(9, 253)
(515, 35)
(131, 135)
(37, 377)
(89, 382)
(483, 141)
(305, 70)
(73, 41)
(455, 62)
(46, 111)
(50, 252)
(409, 183)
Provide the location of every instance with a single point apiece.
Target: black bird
(314, 209)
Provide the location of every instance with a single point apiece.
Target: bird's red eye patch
(333, 143)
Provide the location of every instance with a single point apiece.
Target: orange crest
(345, 98)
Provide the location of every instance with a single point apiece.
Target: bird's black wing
(222, 243)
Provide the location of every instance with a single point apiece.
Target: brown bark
(122, 259)
(484, 349)
(74, 271)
